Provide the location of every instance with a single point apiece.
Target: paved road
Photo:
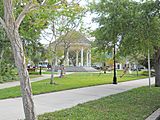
(16, 83)
(11, 109)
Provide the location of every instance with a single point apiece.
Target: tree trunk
(1, 59)
(157, 68)
(1, 55)
(137, 69)
(20, 62)
(66, 48)
(52, 72)
(104, 67)
(65, 55)
(11, 27)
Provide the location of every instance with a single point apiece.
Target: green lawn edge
(73, 81)
(135, 104)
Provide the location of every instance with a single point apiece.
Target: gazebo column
(89, 58)
(121, 66)
(82, 50)
(77, 52)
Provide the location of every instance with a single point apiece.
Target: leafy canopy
(136, 23)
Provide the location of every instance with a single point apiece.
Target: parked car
(43, 65)
(139, 68)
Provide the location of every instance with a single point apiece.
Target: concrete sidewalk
(12, 109)
(16, 83)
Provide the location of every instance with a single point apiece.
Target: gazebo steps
(77, 69)
(80, 69)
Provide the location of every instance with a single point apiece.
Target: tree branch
(26, 9)
(3, 23)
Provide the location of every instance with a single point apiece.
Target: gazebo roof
(75, 37)
(83, 39)
(76, 40)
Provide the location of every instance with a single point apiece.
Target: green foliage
(32, 25)
(100, 56)
(144, 62)
(63, 23)
(137, 23)
(136, 104)
(7, 71)
(1, 8)
(30, 31)
(35, 52)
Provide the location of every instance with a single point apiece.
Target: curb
(155, 115)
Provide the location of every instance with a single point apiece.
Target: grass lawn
(72, 81)
(136, 104)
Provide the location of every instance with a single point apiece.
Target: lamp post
(114, 59)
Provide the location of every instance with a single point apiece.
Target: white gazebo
(78, 45)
